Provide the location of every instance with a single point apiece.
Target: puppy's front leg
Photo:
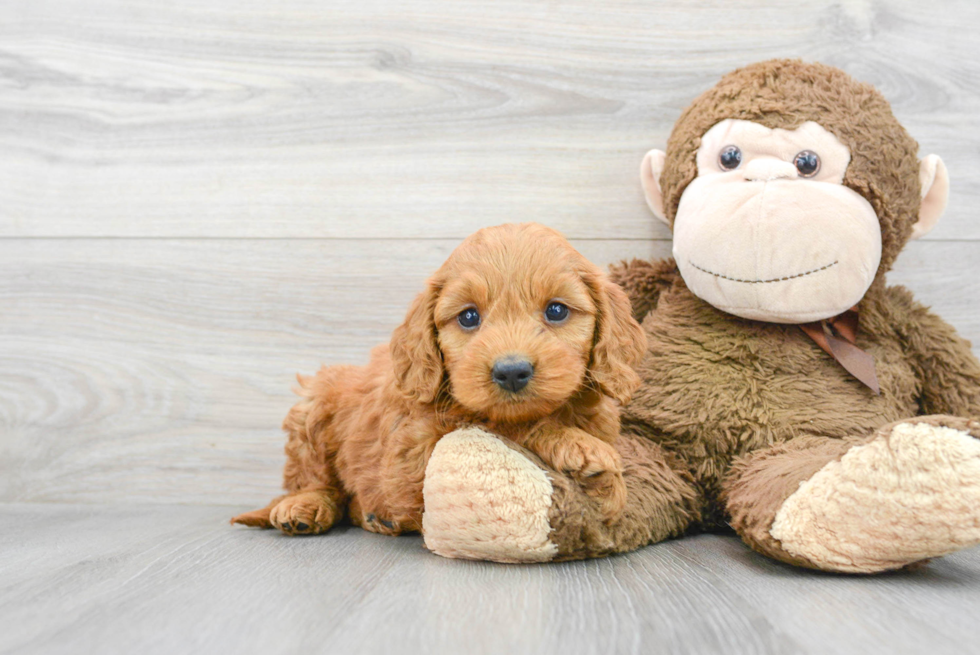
(594, 463)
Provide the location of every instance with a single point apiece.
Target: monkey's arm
(948, 371)
(643, 282)
(591, 461)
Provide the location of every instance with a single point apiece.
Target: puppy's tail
(258, 518)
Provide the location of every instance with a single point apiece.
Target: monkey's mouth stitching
(775, 279)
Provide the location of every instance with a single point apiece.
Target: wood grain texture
(164, 579)
(423, 119)
(160, 370)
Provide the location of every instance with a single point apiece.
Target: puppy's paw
(309, 512)
(596, 466)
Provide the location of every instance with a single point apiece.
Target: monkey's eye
(556, 312)
(807, 163)
(469, 318)
(730, 157)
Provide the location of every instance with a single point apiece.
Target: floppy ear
(415, 353)
(619, 340)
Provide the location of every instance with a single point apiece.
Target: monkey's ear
(415, 353)
(935, 192)
(650, 170)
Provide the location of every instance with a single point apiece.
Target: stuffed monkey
(787, 391)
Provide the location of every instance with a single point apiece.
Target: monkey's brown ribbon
(837, 336)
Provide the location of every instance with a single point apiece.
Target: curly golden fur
(360, 438)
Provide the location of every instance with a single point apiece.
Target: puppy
(518, 333)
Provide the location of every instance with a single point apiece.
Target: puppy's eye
(807, 163)
(556, 312)
(730, 157)
(469, 318)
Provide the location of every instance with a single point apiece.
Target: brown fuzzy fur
(728, 395)
(744, 411)
(360, 438)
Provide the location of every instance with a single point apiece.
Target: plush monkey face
(521, 324)
(778, 219)
(767, 231)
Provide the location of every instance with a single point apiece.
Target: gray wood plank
(160, 370)
(899, 612)
(167, 579)
(433, 118)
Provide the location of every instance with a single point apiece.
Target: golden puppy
(516, 332)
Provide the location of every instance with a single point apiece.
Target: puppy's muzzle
(512, 373)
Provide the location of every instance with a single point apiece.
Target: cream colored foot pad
(484, 500)
(912, 495)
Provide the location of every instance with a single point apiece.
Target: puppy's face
(519, 322)
(515, 330)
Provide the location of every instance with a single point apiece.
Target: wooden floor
(178, 579)
(199, 198)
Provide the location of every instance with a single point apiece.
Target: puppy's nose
(512, 373)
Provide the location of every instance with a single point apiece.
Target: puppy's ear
(415, 352)
(619, 341)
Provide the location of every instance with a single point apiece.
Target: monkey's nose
(763, 169)
(512, 373)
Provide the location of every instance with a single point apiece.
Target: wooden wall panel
(417, 120)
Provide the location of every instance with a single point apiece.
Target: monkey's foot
(909, 494)
(485, 500)
(488, 498)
